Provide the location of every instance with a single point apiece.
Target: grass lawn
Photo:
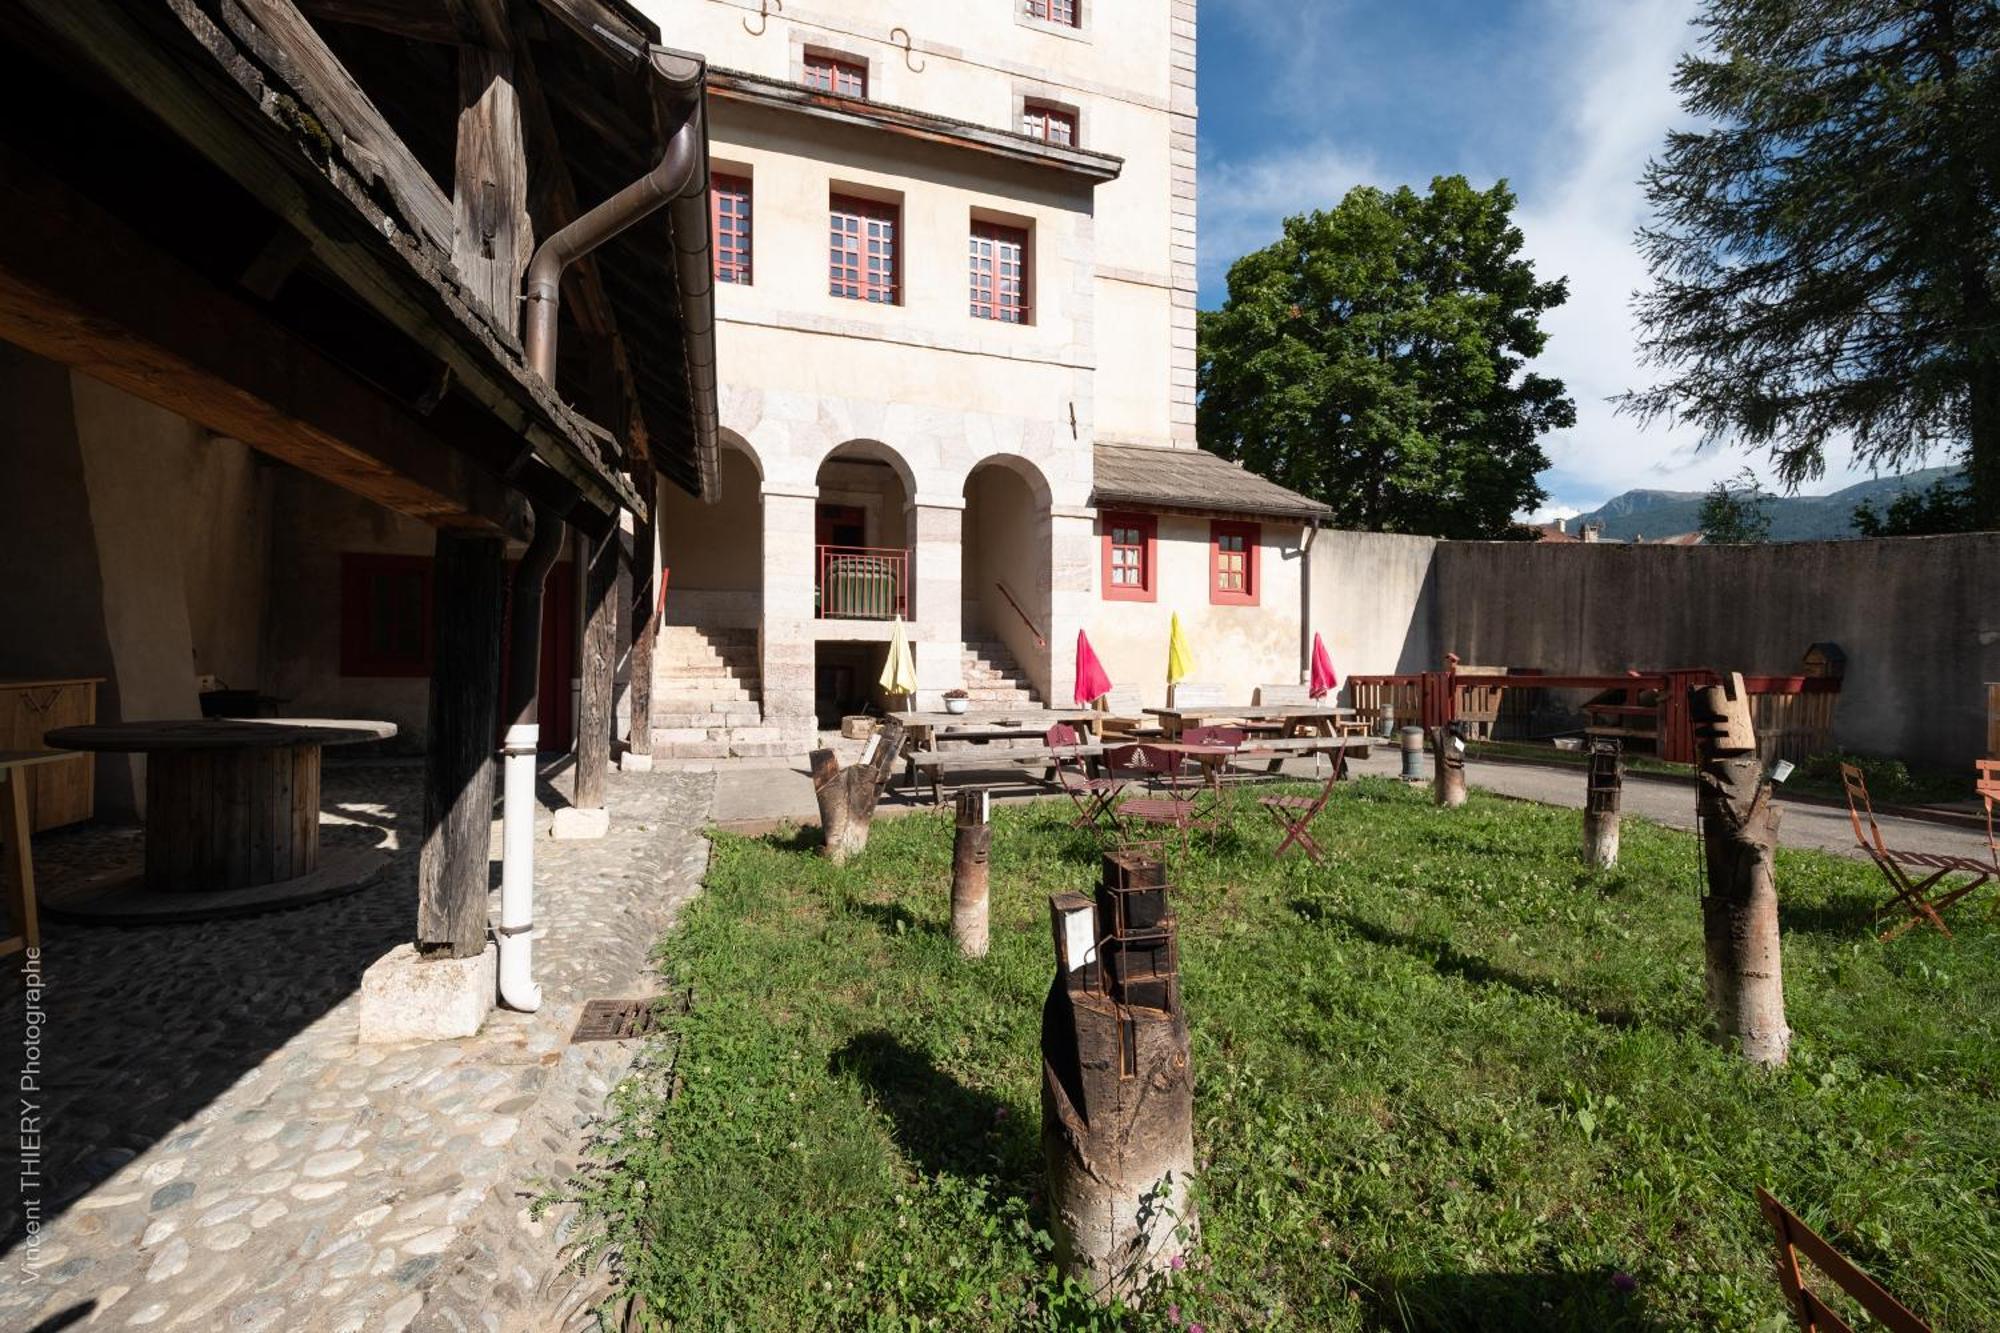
(1448, 1079)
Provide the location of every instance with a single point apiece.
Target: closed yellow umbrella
(1180, 658)
(899, 673)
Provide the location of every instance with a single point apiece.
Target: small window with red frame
(385, 615)
(1129, 557)
(1049, 123)
(862, 264)
(999, 273)
(731, 196)
(1053, 11)
(1232, 563)
(831, 74)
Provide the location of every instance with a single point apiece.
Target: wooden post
(1448, 766)
(1603, 794)
(599, 668)
(645, 617)
(493, 235)
(1117, 1088)
(969, 879)
(458, 760)
(1739, 909)
(847, 797)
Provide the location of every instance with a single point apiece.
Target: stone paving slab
(220, 1151)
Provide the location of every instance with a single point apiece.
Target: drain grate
(616, 1020)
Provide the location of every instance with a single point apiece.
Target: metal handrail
(1040, 642)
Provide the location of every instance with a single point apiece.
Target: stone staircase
(993, 678)
(706, 698)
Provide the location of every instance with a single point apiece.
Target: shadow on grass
(1852, 918)
(1447, 959)
(939, 1124)
(893, 918)
(1596, 1300)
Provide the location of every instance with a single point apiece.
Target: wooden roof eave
(757, 90)
(316, 157)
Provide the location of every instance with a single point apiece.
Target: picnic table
(923, 729)
(231, 803)
(1315, 719)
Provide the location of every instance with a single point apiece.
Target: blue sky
(1303, 99)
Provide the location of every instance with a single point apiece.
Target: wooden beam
(452, 867)
(597, 667)
(281, 37)
(645, 610)
(493, 235)
(79, 287)
(419, 20)
(280, 156)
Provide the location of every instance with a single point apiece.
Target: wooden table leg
(17, 828)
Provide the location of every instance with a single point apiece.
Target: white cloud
(1581, 202)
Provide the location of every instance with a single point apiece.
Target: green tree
(1826, 251)
(1373, 358)
(1739, 515)
(1943, 506)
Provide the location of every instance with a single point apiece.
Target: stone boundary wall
(1918, 617)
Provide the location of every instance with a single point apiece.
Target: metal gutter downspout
(515, 934)
(680, 176)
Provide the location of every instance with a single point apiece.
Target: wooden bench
(1123, 715)
(1275, 750)
(1195, 694)
(937, 763)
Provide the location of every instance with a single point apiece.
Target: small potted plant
(956, 701)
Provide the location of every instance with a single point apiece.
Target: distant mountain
(1794, 518)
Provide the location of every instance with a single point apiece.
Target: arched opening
(861, 534)
(712, 555)
(1005, 579)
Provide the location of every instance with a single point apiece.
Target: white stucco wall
(1236, 647)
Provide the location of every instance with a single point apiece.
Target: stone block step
(707, 720)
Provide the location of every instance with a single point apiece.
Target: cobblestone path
(219, 1150)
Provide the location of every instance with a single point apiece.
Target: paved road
(758, 795)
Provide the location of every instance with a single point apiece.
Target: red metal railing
(1793, 714)
(863, 583)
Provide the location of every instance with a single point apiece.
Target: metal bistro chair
(1911, 895)
(1295, 814)
(1095, 798)
(1148, 764)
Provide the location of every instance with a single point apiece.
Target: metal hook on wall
(901, 36)
(764, 8)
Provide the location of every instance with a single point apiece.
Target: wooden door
(840, 525)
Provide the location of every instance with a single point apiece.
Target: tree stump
(1448, 771)
(1117, 1089)
(969, 880)
(1739, 910)
(847, 796)
(1603, 795)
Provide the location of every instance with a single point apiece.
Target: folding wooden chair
(1295, 814)
(1095, 798)
(1988, 788)
(1814, 1314)
(1149, 764)
(1922, 899)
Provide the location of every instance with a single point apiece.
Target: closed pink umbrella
(1324, 682)
(1091, 682)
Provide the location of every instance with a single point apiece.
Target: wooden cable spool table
(231, 803)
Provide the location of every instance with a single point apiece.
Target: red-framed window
(862, 263)
(385, 615)
(1131, 568)
(1048, 122)
(1000, 273)
(831, 74)
(1053, 11)
(731, 198)
(1232, 563)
